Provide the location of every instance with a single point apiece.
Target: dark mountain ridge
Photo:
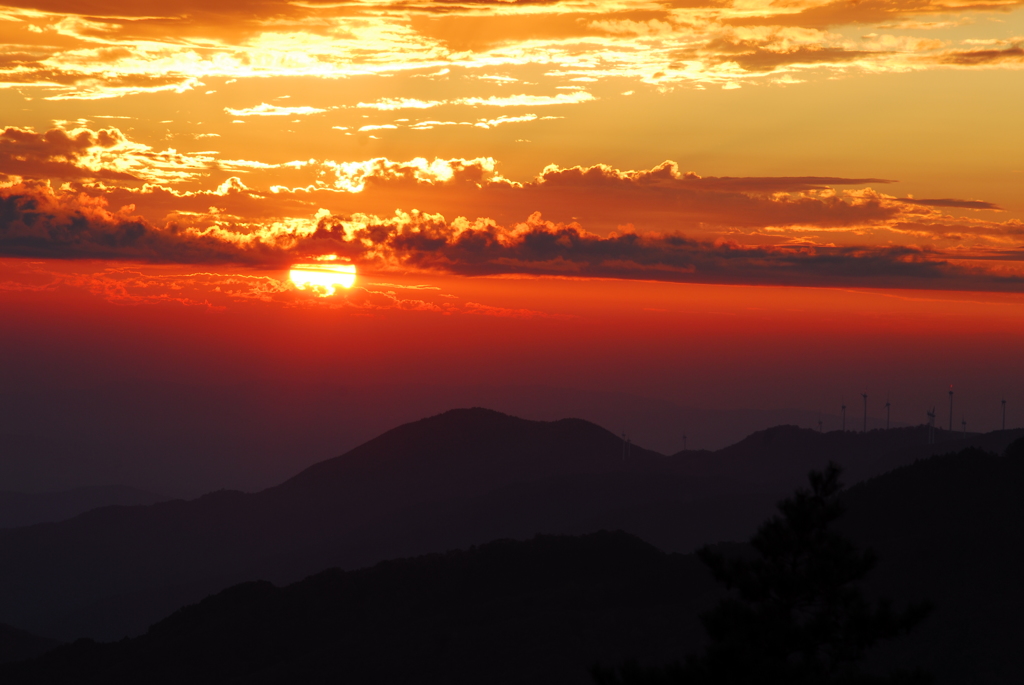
(460, 478)
(461, 453)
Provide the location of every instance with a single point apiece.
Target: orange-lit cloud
(81, 153)
(265, 110)
(106, 172)
(58, 154)
(40, 223)
(89, 50)
(164, 185)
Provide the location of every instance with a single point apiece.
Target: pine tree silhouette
(798, 615)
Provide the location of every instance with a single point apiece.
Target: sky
(730, 204)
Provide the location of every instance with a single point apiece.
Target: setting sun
(324, 279)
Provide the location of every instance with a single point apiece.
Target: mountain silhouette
(460, 478)
(27, 508)
(944, 529)
(508, 612)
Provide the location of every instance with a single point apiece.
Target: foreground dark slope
(950, 529)
(460, 478)
(18, 645)
(946, 529)
(509, 612)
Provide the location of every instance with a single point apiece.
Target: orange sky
(703, 201)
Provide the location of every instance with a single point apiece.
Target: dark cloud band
(36, 222)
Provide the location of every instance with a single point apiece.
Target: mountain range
(60, 436)
(451, 481)
(545, 610)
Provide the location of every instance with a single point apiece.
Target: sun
(324, 278)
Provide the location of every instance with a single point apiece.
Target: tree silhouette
(798, 615)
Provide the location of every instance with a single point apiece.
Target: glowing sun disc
(323, 279)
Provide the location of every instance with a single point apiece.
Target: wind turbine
(950, 408)
(931, 426)
(963, 421)
(865, 396)
(887, 405)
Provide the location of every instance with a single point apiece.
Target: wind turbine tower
(931, 427)
(865, 396)
(887, 405)
(963, 421)
(951, 409)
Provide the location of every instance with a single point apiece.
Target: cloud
(667, 175)
(520, 100)
(523, 100)
(81, 154)
(977, 58)
(757, 210)
(539, 247)
(112, 48)
(758, 58)
(662, 198)
(491, 123)
(751, 210)
(391, 104)
(57, 154)
(354, 177)
(265, 110)
(36, 222)
(948, 202)
(841, 12)
(599, 178)
(505, 312)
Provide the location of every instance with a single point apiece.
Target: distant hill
(18, 645)
(28, 508)
(945, 528)
(460, 478)
(780, 452)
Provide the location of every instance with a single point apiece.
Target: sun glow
(323, 279)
